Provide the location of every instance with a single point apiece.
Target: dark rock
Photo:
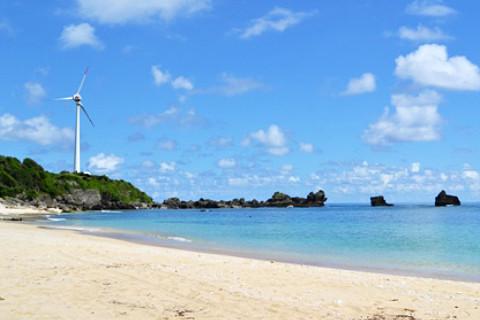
(443, 199)
(14, 219)
(379, 201)
(172, 203)
(278, 199)
(205, 204)
(316, 198)
(254, 203)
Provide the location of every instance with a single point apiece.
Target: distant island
(26, 183)
(278, 200)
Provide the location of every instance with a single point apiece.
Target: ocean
(416, 240)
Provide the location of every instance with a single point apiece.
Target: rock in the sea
(279, 199)
(443, 199)
(316, 198)
(379, 201)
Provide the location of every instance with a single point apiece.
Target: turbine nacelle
(77, 98)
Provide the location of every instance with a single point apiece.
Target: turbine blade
(66, 98)
(83, 80)
(86, 113)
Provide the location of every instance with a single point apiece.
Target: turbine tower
(77, 98)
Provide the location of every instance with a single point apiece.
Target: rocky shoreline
(77, 200)
(17, 209)
(278, 200)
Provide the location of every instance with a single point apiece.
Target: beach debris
(2, 298)
(390, 317)
(443, 199)
(183, 312)
(379, 201)
(14, 219)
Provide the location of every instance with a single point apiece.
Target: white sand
(9, 210)
(60, 274)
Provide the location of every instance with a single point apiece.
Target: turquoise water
(405, 239)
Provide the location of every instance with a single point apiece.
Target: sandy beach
(61, 274)
(17, 211)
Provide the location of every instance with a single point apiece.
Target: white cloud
(162, 77)
(238, 182)
(38, 130)
(173, 116)
(294, 179)
(182, 83)
(273, 139)
(368, 179)
(166, 167)
(306, 147)
(430, 65)
(82, 34)
(432, 8)
(416, 118)
(365, 83)
(415, 167)
(35, 92)
(159, 77)
(221, 142)
(278, 19)
(422, 33)
(167, 144)
(153, 182)
(104, 163)
(227, 163)
(148, 164)
(233, 86)
(471, 174)
(139, 11)
(278, 151)
(286, 169)
(273, 136)
(153, 120)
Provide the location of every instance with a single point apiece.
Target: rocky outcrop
(316, 198)
(27, 183)
(76, 200)
(379, 201)
(278, 199)
(443, 199)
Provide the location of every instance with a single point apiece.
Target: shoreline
(83, 273)
(15, 210)
(281, 257)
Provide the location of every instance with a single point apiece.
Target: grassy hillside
(28, 180)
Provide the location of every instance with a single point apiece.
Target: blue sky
(222, 99)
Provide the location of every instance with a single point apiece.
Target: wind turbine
(77, 98)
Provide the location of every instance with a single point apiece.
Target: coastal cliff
(26, 183)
